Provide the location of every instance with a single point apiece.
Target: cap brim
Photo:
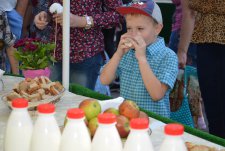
(131, 10)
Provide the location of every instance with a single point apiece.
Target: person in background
(175, 35)
(15, 10)
(203, 23)
(35, 32)
(86, 39)
(146, 67)
(7, 39)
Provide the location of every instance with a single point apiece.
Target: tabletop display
(71, 100)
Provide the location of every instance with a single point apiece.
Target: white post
(66, 44)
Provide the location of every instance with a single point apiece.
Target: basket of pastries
(37, 91)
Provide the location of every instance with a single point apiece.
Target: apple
(129, 109)
(143, 115)
(93, 125)
(90, 107)
(123, 126)
(112, 110)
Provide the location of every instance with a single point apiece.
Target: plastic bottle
(173, 140)
(75, 136)
(19, 127)
(46, 134)
(138, 138)
(106, 137)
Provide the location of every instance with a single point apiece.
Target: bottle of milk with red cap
(75, 135)
(46, 134)
(173, 138)
(138, 138)
(19, 127)
(106, 137)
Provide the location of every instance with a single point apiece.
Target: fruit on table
(123, 126)
(129, 109)
(143, 115)
(112, 110)
(92, 125)
(91, 108)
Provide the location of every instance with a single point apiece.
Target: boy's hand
(125, 45)
(140, 47)
(40, 20)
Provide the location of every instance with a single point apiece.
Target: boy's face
(144, 26)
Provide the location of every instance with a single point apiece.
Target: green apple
(91, 108)
(93, 125)
(112, 110)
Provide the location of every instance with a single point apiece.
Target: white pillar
(66, 44)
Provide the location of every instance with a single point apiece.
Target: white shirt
(7, 5)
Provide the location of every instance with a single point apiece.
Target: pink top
(177, 16)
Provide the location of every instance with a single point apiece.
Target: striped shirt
(164, 64)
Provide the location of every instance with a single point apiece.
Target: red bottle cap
(106, 118)
(139, 123)
(75, 113)
(46, 108)
(19, 103)
(174, 129)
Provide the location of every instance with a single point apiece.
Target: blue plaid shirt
(164, 64)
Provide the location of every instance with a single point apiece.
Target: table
(70, 100)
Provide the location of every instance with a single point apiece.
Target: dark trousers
(211, 74)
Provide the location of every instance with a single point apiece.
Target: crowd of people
(146, 67)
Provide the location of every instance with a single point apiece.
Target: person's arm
(187, 27)
(109, 71)
(105, 19)
(155, 88)
(13, 62)
(21, 7)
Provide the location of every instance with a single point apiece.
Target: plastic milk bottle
(75, 136)
(19, 127)
(138, 138)
(173, 140)
(46, 134)
(106, 137)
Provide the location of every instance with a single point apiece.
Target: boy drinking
(146, 67)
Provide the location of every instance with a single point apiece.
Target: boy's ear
(158, 29)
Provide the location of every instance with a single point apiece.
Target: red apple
(93, 125)
(112, 110)
(122, 126)
(129, 109)
(90, 107)
(143, 115)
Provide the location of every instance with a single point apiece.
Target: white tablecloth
(70, 100)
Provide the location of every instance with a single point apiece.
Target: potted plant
(34, 56)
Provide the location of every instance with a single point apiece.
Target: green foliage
(34, 54)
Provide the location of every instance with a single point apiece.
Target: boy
(146, 67)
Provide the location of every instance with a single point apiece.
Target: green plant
(34, 53)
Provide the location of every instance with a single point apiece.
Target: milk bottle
(138, 138)
(106, 137)
(173, 140)
(46, 134)
(75, 136)
(19, 127)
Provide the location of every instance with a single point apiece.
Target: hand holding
(41, 20)
(58, 18)
(125, 45)
(182, 59)
(139, 46)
